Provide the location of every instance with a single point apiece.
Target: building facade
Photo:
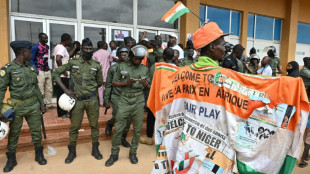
(284, 24)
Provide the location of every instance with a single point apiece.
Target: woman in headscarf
(293, 69)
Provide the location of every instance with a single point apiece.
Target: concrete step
(57, 131)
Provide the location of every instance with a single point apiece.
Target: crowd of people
(120, 78)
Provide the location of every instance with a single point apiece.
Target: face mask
(88, 55)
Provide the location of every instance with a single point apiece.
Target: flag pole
(197, 16)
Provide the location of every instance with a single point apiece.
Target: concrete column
(244, 29)
(289, 33)
(4, 32)
(189, 22)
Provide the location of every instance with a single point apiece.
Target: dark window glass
(149, 36)
(150, 13)
(303, 33)
(202, 14)
(28, 31)
(95, 34)
(235, 23)
(58, 8)
(220, 16)
(251, 22)
(117, 11)
(277, 29)
(56, 30)
(264, 27)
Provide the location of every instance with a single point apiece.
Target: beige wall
(4, 32)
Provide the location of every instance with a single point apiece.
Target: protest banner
(215, 120)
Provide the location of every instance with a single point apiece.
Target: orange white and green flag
(175, 12)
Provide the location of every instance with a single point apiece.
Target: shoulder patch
(2, 73)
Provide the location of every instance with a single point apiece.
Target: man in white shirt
(266, 69)
(172, 43)
(114, 48)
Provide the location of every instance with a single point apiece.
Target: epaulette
(7, 65)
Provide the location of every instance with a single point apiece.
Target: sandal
(302, 165)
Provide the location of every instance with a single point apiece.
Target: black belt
(87, 97)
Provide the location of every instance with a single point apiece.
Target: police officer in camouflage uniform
(252, 67)
(87, 78)
(26, 98)
(132, 78)
(113, 94)
(275, 61)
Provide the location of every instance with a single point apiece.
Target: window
(303, 33)
(28, 30)
(117, 11)
(95, 34)
(202, 14)
(235, 23)
(58, 8)
(265, 28)
(220, 16)
(150, 13)
(251, 25)
(228, 20)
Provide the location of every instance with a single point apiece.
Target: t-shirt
(181, 52)
(113, 54)
(265, 70)
(62, 51)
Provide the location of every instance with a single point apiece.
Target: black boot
(95, 151)
(133, 158)
(111, 160)
(108, 129)
(39, 155)
(11, 163)
(71, 155)
(124, 142)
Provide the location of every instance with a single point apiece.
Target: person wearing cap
(252, 67)
(172, 43)
(131, 77)
(104, 58)
(305, 72)
(87, 77)
(112, 94)
(27, 100)
(274, 61)
(210, 40)
(190, 57)
(231, 62)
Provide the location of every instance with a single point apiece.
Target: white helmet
(65, 102)
(4, 130)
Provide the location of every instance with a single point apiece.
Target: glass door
(150, 34)
(26, 29)
(55, 29)
(95, 33)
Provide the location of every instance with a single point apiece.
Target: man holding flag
(208, 117)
